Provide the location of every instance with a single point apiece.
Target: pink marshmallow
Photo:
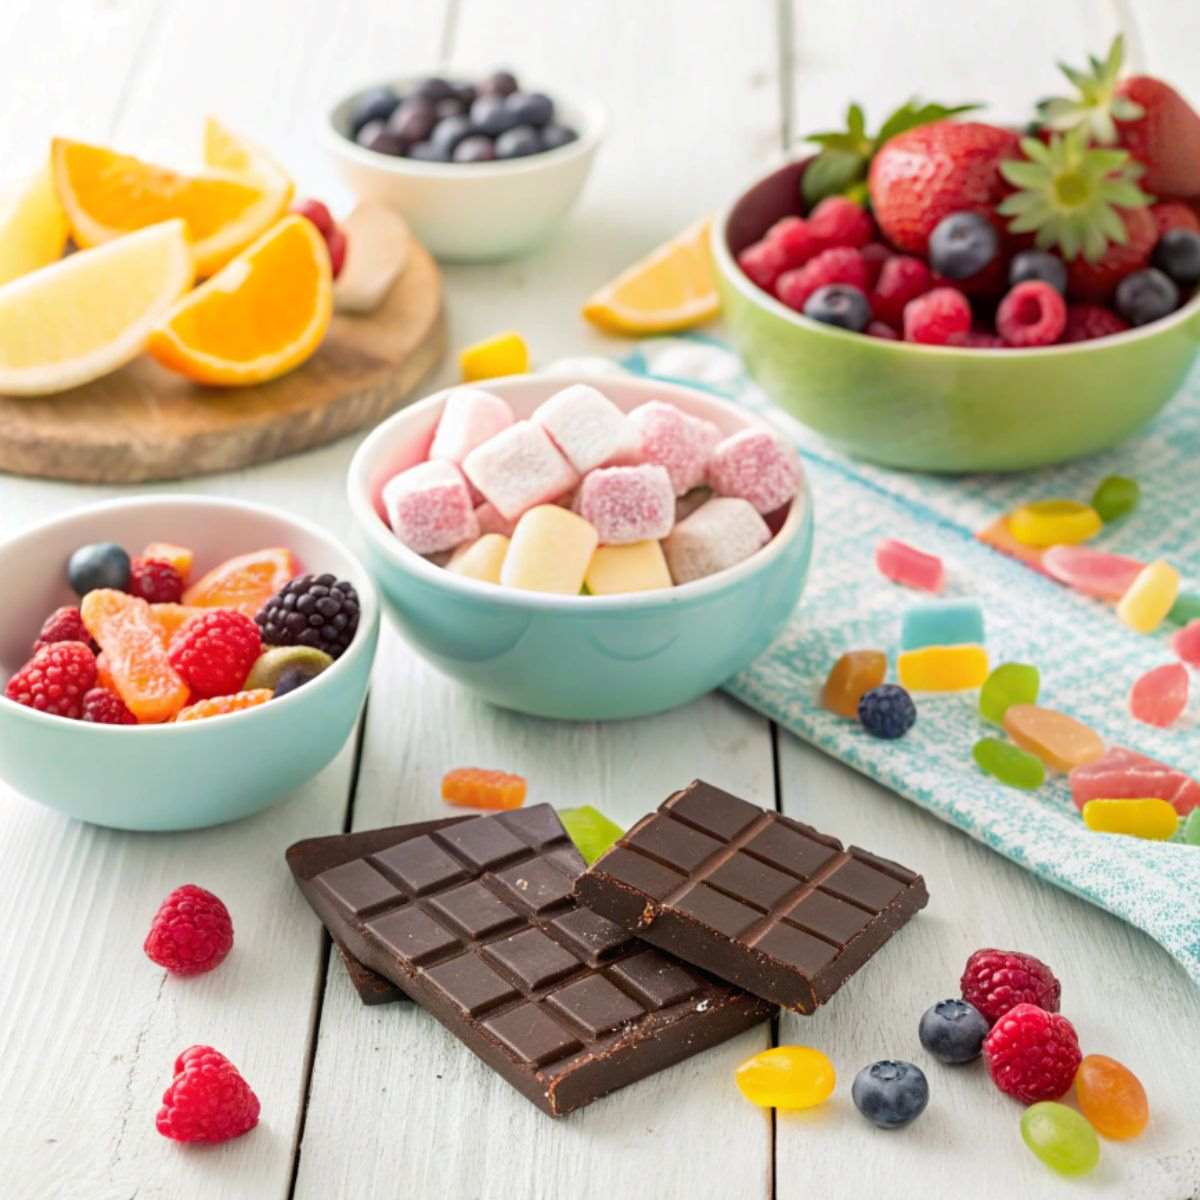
(672, 439)
(429, 508)
(518, 469)
(490, 521)
(716, 536)
(628, 504)
(469, 418)
(755, 465)
(585, 425)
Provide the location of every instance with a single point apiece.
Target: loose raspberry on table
(155, 581)
(191, 933)
(838, 221)
(208, 1100)
(763, 262)
(937, 317)
(794, 240)
(841, 265)
(997, 980)
(213, 653)
(901, 279)
(55, 679)
(63, 625)
(1032, 314)
(1088, 321)
(103, 707)
(1032, 1054)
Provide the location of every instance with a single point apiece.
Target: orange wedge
(262, 314)
(246, 582)
(229, 151)
(670, 289)
(106, 194)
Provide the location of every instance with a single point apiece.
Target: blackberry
(887, 711)
(312, 610)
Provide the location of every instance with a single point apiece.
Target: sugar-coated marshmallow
(673, 439)
(756, 466)
(469, 418)
(628, 504)
(585, 425)
(429, 507)
(518, 469)
(717, 535)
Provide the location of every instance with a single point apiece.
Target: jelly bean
(1054, 523)
(1058, 740)
(1149, 597)
(852, 676)
(942, 623)
(1191, 828)
(591, 831)
(504, 354)
(1112, 1097)
(476, 787)
(1186, 608)
(1116, 497)
(1160, 696)
(1147, 817)
(943, 668)
(1060, 1137)
(787, 1077)
(1093, 572)
(1009, 764)
(905, 564)
(1009, 683)
(1186, 643)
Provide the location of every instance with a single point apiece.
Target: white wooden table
(363, 1103)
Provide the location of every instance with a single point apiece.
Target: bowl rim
(728, 267)
(367, 597)
(381, 538)
(593, 124)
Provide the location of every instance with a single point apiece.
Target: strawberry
(1174, 214)
(1165, 139)
(1096, 281)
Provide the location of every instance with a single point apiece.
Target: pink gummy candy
(674, 440)
(1160, 696)
(518, 469)
(628, 504)
(1121, 774)
(429, 508)
(755, 465)
(905, 564)
(1093, 572)
(1186, 643)
(585, 425)
(470, 417)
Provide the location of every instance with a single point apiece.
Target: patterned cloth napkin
(1087, 658)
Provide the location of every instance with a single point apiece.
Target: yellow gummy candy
(639, 567)
(1054, 523)
(942, 668)
(481, 559)
(1145, 818)
(549, 552)
(1150, 597)
(504, 354)
(787, 1077)
(1059, 740)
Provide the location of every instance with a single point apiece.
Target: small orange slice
(171, 618)
(229, 151)
(246, 582)
(180, 557)
(478, 787)
(218, 706)
(259, 316)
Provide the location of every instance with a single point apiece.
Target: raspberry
(978, 339)
(317, 213)
(213, 653)
(63, 625)
(103, 707)
(208, 1100)
(1174, 214)
(191, 933)
(1032, 314)
(793, 238)
(155, 581)
(879, 329)
(838, 221)
(336, 243)
(763, 263)
(874, 254)
(997, 980)
(901, 279)
(936, 317)
(320, 611)
(1087, 321)
(841, 265)
(55, 679)
(1032, 1054)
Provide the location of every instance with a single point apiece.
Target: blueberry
(887, 711)
(428, 152)
(290, 680)
(100, 565)
(839, 304)
(413, 120)
(1145, 296)
(448, 132)
(554, 136)
(890, 1094)
(475, 148)
(375, 104)
(490, 115)
(498, 83)
(1178, 256)
(434, 88)
(530, 108)
(466, 93)
(1039, 265)
(953, 1031)
(518, 142)
(376, 136)
(962, 244)
(452, 106)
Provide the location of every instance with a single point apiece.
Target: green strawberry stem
(1097, 107)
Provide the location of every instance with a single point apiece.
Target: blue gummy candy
(942, 623)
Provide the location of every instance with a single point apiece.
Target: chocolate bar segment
(756, 898)
(477, 921)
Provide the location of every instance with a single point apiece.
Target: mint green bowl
(576, 657)
(937, 408)
(157, 777)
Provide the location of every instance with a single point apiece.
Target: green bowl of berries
(174, 662)
(951, 296)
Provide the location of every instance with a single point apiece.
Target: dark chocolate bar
(476, 922)
(754, 897)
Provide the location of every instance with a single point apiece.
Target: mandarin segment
(475, 787)
(246, 582)
(218, 706)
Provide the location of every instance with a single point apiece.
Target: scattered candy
(1009, 763)
(1186, 643)
(519, 469)
(1058, 740)
(675, 440)
(853, 675)
(504, 354)
(429, 507)
(191, 933)
(996, 981)
(481, 559)
(1112, 1098)
(591, 831)
(616, 570)
(1093, 572)
(1186, 608)
(943, 668)
(549, 552)
(718, 535)
(942, 623)
(890, 1094)
(1008, 684)
(756, 466)
(1032, 1054)
(787, 1077)
(475, 787)
(1060, 1137)
(998, 536)
(220, 706)
(1124, 774)
(1159, 696)
(1191, 828)
(1054, 523)
(1145, 817)
(208, 1100)
(905, 564)
(887, 711)
(628, 504)
(953, 1031)
(1149, 597)
(587, 427)
(470, 417)
(1116, 497)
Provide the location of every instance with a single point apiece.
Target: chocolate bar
(754, 897)
(476, 922)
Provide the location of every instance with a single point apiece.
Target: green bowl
(941, 408)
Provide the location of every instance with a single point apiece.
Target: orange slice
(259, 316)
(246, 582)
(218, 706)
(670, 289)
(180, 557)
(229, 151)
(171, 618)
(106, 194)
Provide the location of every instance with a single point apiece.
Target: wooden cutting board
(145, 422)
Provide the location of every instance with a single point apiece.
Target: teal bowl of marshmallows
(576, 656)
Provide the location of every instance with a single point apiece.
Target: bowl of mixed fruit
(953, 295)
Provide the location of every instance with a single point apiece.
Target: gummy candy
(1145, 817)
(180, 557)
(1009, 764)
(1149, 597)
(1124, 774)
(171, 618)
(1111, 1096)
(1186, 608)
(616, 570)
(902, 563)
(1054, 523)
(549, 552)
(942, 623)
(481, 559)
(1160, 696)
(998, 536)
(246, 582)
(503, 354)
(1009, 683)
(1060, 1137)
(1058, 740)
(943, 668)
(1093, 572)
(787, 1077)
(475, 787)
(220, 706)
(852, 676)
(1186, 643)
(591, 831)
(1191, 828)
(1115, 497)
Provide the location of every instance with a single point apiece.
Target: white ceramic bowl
(472, 212)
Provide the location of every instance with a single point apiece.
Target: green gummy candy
(1009, 764)
(1062, 1138)
(1009, 683)
(272, 663)
(1186, 608)
(1115, 497)
(1191, 828)
(590, 830)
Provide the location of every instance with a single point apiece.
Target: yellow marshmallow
(480, 559)
(550, 551)
(638, 567)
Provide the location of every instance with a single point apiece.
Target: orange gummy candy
(104, 677)
(218, 706)
(171, 618)
(180, 557)
(853, 675)
(246, 582)
(475, 787)
(134, 654)
(1111, 1096)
